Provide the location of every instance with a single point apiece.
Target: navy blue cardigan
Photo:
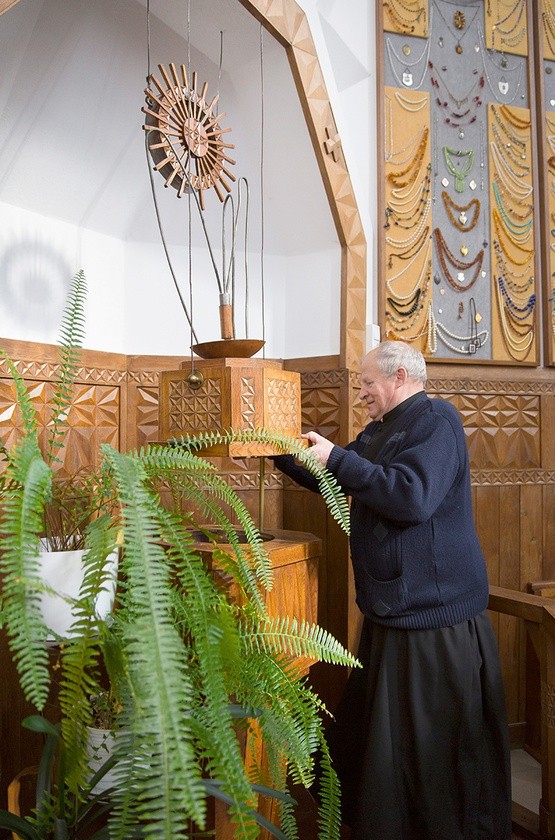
(416, 557)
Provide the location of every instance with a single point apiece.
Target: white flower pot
(63, 571)
(100, 746)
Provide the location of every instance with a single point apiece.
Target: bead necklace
(392, 156)
(437, 329)
(497, 27)
(510, 281)
(415, 165)
(406, 79)
(406, 321)
(404, 24)
(454, 118)
(405, 208)
(507, 149)
(411, 250)
(513, 337)
(443, 252)
(391, 332)
(511, 257)
(519, 189)
(400, 308)
(411, 105)
(422, 211)
(461, 221)
(458, 102)
(426, 261)
(460, 24)
(516, 141)
(549, 28)
(474, 341)
(499, 225)
(508, 197)
(458, 174)
(504, 64)
(516, 121)
(520, 313)
(410, 198)
(515, 227)
(413, 237)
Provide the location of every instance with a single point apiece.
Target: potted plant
(198, 672)
(69, 502)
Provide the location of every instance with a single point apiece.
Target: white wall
(132, 304)
(38, 257)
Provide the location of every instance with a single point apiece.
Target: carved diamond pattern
(94, 418)
(283, 403)
(321, 411)
(247, 402)
(147, 415)
(502, 430)
(195, 411)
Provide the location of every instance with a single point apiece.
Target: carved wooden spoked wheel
(184, 135)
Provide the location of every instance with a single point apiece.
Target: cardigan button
(381, 608)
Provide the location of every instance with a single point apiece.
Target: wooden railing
(538, 615)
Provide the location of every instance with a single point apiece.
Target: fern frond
(329, 813)
(20, 524)
(24, 403)
(286, 636)
(334, 497)
(72, 333)
(156, 662)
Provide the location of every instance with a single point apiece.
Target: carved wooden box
(239, 394)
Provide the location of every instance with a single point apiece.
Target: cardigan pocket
(385, 597)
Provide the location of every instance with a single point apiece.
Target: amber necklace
(413, 166)
(461, 220)
(444, 253)
(518, 288)
(401, 22)
(513, 119)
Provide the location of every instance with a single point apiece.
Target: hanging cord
(187, 177)
(189, 214)
(153, 191)
(246, 246)
(263, 306)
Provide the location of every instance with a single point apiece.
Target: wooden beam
(6, 4)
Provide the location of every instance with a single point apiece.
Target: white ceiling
(73, 78)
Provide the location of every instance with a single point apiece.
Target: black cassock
(420, 738)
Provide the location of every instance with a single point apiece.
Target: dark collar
(402, 407)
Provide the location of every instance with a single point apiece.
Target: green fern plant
(198, 673)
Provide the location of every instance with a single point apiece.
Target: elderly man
(420, 739)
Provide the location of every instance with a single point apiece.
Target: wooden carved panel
(502, 430)
(94, 418)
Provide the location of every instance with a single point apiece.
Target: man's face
(376, 390)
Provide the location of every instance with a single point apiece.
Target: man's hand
(321, 447)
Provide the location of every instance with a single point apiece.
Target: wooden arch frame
(287, 22)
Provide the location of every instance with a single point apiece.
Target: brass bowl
(231, 348)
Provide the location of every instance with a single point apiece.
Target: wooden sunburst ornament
(184, 135)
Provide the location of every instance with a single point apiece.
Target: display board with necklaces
(458, 258)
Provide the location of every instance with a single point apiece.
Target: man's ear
(401, 377)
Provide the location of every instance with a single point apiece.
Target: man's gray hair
(392, 355)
